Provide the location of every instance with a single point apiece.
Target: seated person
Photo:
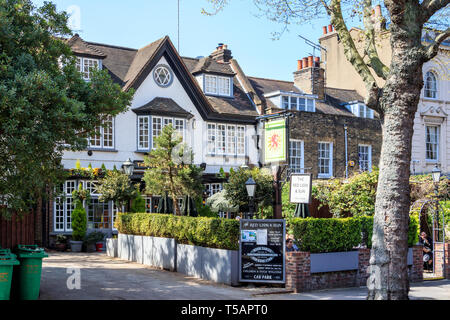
(427, 243)
(290, 246)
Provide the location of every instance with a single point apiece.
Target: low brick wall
(299, 277)
(442, 267)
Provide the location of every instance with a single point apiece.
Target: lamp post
(251, 187)
(128, 168)
(436, 173)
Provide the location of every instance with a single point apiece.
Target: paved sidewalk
(106, 278)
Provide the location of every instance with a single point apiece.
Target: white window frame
(221, 138)
(330, 162)
(83, 63)
(213, 188)
(216, 85)
(309, 103)
(434, 89)
(357, 109)
(369, 157)
(300, 150)
(100, 139)
(211, 133)
(67, 205)
(143, 141)
(152, 131)
(240, 140)
(219, 144)
(436, 143)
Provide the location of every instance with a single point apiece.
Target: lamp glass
(251, 187)
(436, 173)
(128, 167)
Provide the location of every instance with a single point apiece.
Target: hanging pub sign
(275, 141)
(300, 189)
(261, 250)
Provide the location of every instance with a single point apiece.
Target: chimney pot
(299, 65)
(310, 61)
(377, 10)
(317, 61)
(305, 62)
(225, 46)
(324, 29)
(330, 28)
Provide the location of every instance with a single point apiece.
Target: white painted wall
(439, 65)
(195, 135)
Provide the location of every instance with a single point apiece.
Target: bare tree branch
(353, 56)
(370, 49)
(430, 7)
(431, 50)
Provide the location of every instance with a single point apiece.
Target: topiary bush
(201, 231)
(79, 222)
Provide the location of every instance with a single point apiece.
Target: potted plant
(61, 242)
(79, 219)
(92, 239)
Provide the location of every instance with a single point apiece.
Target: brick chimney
(379, 22)
(222, 54)
(310, 79)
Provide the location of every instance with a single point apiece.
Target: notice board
(262, 250)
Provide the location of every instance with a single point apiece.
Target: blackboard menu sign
(261, 250)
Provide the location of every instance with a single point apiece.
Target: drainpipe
(346, 153)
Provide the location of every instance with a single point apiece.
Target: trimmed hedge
(318, 235)
(200, 231)
(315, 235)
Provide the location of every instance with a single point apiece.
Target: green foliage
(94, 237)
(204, 210)
(356, 196)
(81, 194)
(171, 169)
(200, 231)
(45, 104)
(79, 222)
(237, 192)
(138, 204)
(288, 208)
(115, 186)
(339, 234)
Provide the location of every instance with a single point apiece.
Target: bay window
(151, 126)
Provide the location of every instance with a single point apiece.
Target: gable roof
(142, 59)
(80, 47)
(130, 67)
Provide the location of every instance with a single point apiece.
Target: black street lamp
(251, 188)
(128, 168)
(436, 173)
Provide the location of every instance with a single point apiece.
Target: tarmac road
(105, 278)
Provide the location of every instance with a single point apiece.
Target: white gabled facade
(195, 133)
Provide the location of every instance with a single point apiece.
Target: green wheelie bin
(7, 262)
(27, 279)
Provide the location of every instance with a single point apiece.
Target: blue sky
(136, 23)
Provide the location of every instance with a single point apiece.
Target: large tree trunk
(388, 266)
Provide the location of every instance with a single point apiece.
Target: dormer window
(218, 85)
(360, 110)
(86, 66)
(298, 103)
